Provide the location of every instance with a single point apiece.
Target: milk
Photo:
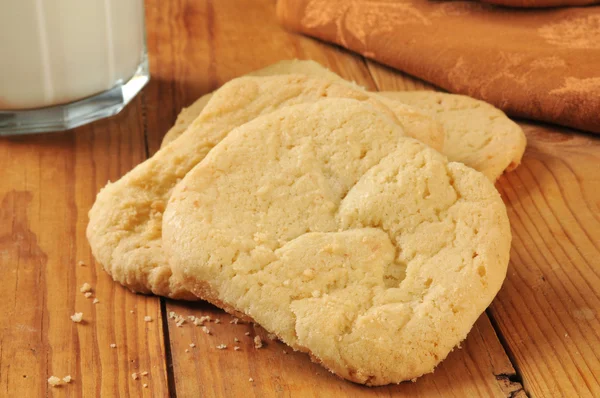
(58, 51)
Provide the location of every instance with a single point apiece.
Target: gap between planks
(172, 386)
(516, 377)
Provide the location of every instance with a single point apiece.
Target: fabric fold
(536, 64)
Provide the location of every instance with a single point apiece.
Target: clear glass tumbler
(65, 63)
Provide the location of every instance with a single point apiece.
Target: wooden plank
(47, 184)
(479, 368)
(548, 308)
(206, 44)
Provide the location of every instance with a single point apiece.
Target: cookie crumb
(200, 321)
(135, 376)
(180, 321)
(272, 336)
(172, 315)
(113, 345)
(131, 311)
(54, 381)
(222, 346)
(192, 345)
(247, 333)
(234, 321)
(251, 380)
(186, 350)
(217, 320)
(96, 301)
(147, 318)
(86, 287)
(236, 348)
(144, 373)
(145, 385)
(205, 330)
(81, 263)
(87, 294)
(77, 317)
(257, 342)
(284, 351)
(67, 379)
(236, 339)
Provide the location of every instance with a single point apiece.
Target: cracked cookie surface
(125, 227)
(331, 228)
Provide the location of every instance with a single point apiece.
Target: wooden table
(541, 335)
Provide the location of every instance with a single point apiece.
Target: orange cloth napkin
(541, 64)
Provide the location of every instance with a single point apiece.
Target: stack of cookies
(362, 228)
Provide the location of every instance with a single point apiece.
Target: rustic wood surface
(48, 183)
(541, 336)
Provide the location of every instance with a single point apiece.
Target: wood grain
(546, 315)
(548, 308)
(47, 184)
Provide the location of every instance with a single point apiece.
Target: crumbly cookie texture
(477, 134)
(125, 225)
(329, 227)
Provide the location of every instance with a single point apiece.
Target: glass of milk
(65, 63)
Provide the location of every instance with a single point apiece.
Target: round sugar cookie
(329, 227)
(477, 133)
(125, 226)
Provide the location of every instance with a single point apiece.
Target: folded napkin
(541, 64)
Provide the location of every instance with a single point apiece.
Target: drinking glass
(65, 63)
